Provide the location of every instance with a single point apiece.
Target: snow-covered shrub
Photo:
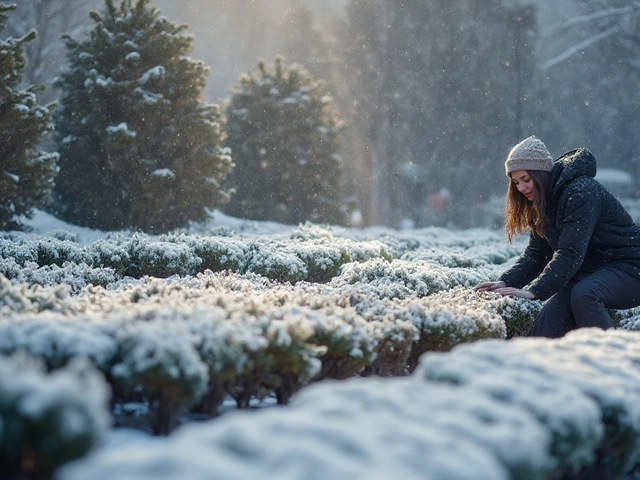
(64, 235)
(468, 257)
(9, 268)
(295, 357)
(518, 314)
(626, 319)
(349, 341)
(24, 298)
(110, 254)
(583, 387)
(50, 419)
(225, 345)
(15, 247)
(401, 242)
(403, 279)
(275, 347)
(339, 438)
(161, 259)
(438, 324)
(42, 249)
(217, 252)
(56, 340)
(75, 275)
(325, 253)
(159, 356)
(395, 339)
(323, 262)
(275, 261)
(507, 431)
(452, 258)
(51, 251)
(443, 326)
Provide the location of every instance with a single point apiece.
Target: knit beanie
(529, 154)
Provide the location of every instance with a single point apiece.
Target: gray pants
(584, 303)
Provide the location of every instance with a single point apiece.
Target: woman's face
(523, 183)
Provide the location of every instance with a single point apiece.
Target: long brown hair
(523, 215)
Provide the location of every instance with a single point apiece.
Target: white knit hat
(529, 154)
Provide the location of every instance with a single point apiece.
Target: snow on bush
(626, 319)
(585, 387)
(56, 340)
(43, 250)
(297, 442)
(76, 276)
(529, 409)
(161, 259)
(405, 279)
(25, 298)
(217, 252)
(517, 313)
(309, 253)
(159, 357)
(227, 348)
(48, 419)
(511, 433)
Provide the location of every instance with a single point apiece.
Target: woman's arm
(530, 263)
(580, 214)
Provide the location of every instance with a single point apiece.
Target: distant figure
(437, 201)
(584, 248)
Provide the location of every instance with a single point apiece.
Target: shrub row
(180, 343)
(526, 409)
(306, 254)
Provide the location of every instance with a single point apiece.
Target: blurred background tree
(283, 133)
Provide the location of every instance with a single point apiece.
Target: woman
(584, 249)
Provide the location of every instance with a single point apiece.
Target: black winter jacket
(588, 229)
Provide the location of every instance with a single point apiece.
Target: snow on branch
(600, 14)
(578, 47)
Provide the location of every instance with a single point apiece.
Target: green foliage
(161, 259)
(217, 252)
(137, 146)
(48, 419)
(164, 363)
(26, 173)
(283, 132)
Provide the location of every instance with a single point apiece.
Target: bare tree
(605, 18)
(593, 77)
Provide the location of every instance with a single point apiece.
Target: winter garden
(241, 349)
(151, 336)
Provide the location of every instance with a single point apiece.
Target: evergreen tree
(137, 147)
(26, 174)
(284, 135)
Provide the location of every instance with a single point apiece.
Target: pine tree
(284, 135)
(138, 148)
(26, 174)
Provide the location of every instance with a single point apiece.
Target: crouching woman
(583, 254)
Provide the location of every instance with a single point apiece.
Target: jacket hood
(571, 165)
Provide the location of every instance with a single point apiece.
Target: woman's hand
(515, 292)
(490, 286)
(502, 289)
